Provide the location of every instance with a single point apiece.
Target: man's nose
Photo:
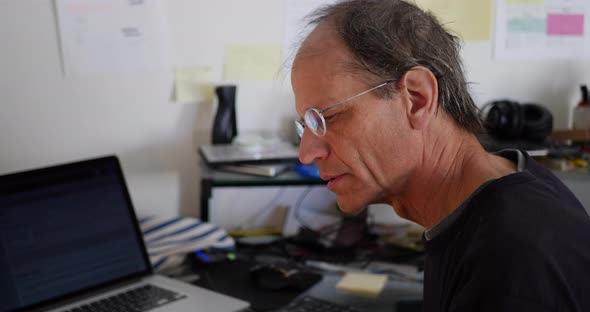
(312, 148)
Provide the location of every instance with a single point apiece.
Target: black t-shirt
(521, 243)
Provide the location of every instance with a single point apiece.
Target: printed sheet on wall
(112, 36)
(542, 29)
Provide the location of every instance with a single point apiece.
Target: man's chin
(349, 208)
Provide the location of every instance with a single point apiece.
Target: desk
(385, 302)
(325, 289)
(210, 178)
(233, 277)
(579, 183)
(393, 292)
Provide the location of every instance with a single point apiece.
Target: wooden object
(574, 135)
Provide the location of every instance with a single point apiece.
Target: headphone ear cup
(538, 122)
(492, 118)
(496, 120)
(505, 119)
(517, 120)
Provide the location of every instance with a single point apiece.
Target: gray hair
(387, 38)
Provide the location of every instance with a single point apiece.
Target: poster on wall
(542, 29)
(112, 36)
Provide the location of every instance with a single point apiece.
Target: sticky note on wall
(471, 19)
(363, 284)
(193, 84)
(252, 62)
(535, 2)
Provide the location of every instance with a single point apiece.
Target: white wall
(47, 119)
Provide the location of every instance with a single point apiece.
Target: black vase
(224, 124)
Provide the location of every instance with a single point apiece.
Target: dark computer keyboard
(138, 299)
(310, 304)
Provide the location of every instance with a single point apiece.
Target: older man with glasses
(387, 117)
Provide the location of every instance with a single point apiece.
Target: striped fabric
(169, 239)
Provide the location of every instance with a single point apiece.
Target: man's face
(365, 153)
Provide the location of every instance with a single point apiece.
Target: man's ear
(421, 88)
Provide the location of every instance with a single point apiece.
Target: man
(387, 118)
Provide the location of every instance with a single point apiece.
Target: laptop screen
(65, 229)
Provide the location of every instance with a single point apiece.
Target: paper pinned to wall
(193, 84)
(112, 36)
(471, 19)
(252, 62)
(537, 29)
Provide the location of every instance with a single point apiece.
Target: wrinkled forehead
(323, 46)
(321, 70)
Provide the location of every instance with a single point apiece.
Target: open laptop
(70, 241)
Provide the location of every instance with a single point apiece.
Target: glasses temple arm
(354, 96)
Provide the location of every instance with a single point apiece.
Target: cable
(324, 230)
(263, 210)
(298, 205)
(330, 228)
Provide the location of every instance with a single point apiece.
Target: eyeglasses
(313, 118)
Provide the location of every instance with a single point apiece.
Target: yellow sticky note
(526, 2)
(194, 84)
(471, 19)
(363, 284)
(252, 62)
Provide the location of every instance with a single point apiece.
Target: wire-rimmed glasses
(313, 118)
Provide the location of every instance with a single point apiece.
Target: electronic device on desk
(211, 256)
(509, 120)
(74, 244)
(281, 276)
(311, 304)
(266, 286)
(510, 124)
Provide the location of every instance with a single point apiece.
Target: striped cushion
(169, 239)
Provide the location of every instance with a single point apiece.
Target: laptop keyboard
(310, 304)
(138, 299)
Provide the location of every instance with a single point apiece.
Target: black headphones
(507, 119)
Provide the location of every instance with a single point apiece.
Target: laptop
(70, 241)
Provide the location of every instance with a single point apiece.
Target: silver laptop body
(197, 299)
(69, 237)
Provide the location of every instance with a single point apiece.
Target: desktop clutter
(277, 273)
(362, 254)
(272, 274)
(529, 127)
(261, 154)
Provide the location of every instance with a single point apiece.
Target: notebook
(70, 241)
(231, 154)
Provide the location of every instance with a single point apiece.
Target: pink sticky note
(565, 24)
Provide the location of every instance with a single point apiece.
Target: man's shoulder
(527, 202)
(527, 218)
(528, 245)
(526, 263)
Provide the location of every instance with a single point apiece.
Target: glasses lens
(300, 128)
(315, 121)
